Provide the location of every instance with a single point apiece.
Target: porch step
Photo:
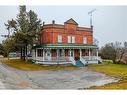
(79, 63)
(83, 60)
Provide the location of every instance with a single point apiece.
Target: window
(39, 52)
(73, 39)
(85, 40)
(69, 39)
(59, 39)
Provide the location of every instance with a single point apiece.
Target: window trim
(59, 39)
(84, 40)
(73, 39)
(69, 39)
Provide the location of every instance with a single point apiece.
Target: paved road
(11, 78)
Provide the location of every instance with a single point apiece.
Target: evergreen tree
(26, 28)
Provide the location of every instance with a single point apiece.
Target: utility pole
(91, 13)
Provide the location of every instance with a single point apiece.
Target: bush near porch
(114, 70)
(29, 66)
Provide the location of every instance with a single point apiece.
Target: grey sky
(110, 22)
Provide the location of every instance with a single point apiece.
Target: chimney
(53, 22)
(43, 23)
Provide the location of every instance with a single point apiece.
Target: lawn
(29, 66)
(115, 70)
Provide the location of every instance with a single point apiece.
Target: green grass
(107, 67)
(114, 70)
(29, 66)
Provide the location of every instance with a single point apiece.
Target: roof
(71, 21)
(53, 26)
(66, 46)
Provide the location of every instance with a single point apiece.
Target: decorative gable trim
(71, 21)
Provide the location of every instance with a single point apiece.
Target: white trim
(80, 53)
(84, 40)
(59, 39)
(69, 39)
(89, 54)
(73, 39)
(43, 53)
(97, 53)
(71, 53)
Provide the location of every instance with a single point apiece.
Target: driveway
(11, 78)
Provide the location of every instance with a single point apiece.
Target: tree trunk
(21, 54)
(26, 53)
(8, 56)
(121, 57)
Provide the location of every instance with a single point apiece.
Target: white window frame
(69, 39)
(84, 40)
(59, 38)
(73, 39)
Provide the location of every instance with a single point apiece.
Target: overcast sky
(110, 22)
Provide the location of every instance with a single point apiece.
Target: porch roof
(66, 46)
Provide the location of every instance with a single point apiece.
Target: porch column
(89, 54)
(80, 53)
(70, 52)
(57, 53)
(36, 53)
(43, 54)
(63, 52)
(97, 53)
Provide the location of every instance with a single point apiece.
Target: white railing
(72, 60)
(60, 58)
(53, 59)
(92, 58)
(83, 60)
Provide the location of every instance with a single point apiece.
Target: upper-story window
(71, 39)
(59, 38)
(84, 40)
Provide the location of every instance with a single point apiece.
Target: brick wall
(50, 35)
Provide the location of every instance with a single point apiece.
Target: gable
(71, 21)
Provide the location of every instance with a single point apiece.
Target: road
(11, 78)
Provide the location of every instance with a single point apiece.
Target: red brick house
(63, 44)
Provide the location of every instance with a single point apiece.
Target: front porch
(62, 55)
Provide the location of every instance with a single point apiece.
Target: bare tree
(123, 50)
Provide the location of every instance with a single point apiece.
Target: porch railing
(53, 59)
(68, 59)
(92, 58)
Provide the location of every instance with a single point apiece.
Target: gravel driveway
(11, 78)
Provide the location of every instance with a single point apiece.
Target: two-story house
(63, 44)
